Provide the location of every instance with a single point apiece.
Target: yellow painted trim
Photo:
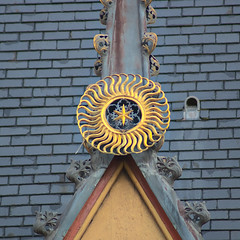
(148, 203)
(106, 190)
(98, 202)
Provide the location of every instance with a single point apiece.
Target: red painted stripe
(79, 220)
(142, 181)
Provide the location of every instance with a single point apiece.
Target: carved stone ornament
(158, 145)
(104, 15)
(123, 114)
(154, 66)
(101, 43)
(151, 15)
(98, 159)
(198, 214)
(169, 168)
(149, 42)
(45, 223)
(78, 171)
(106, 3)
(98, 67)
(146, 2)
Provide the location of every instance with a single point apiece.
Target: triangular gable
(89, 210)
(123, 215)
(158, 196)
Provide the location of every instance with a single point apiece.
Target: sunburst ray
(97, 133)
(92, 112)
(107, 140)
(130, 84)
(120, 147)
(95, 94)
(110, 144)
(134, 142)
(111, 87)
(118, 142)
(91, 100)
(157, 124)
(152, 129)
(96, 120)
(128, 144)
(140, 140)
(100, 138)
(105, 88)
(122, 87)
(89, 132)
(89, 104)
(117, 85)
(141, 87)
(85, 115)
(157, 104)
(146, 92)
(132, 90)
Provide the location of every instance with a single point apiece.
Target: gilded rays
(123, 113)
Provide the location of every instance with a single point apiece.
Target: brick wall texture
(46, 62)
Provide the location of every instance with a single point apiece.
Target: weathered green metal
(126, 26)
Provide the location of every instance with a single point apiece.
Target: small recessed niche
(191, 108)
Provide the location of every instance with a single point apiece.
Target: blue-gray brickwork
(46, 62)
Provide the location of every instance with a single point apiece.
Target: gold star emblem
(123, 115)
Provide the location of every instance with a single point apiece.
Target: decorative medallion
(123, 114)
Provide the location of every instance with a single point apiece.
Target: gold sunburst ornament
(123, 114)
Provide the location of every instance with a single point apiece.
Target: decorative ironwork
(154, 66)
(149, 42)
(101, 43)
(151, 15)
(98, 67)
(123, 114)
(198, 214)
(45, 223)
(78, 171)
(169, 168)
(128, 115)
(104, 15)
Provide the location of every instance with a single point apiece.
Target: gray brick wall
(46, 61)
